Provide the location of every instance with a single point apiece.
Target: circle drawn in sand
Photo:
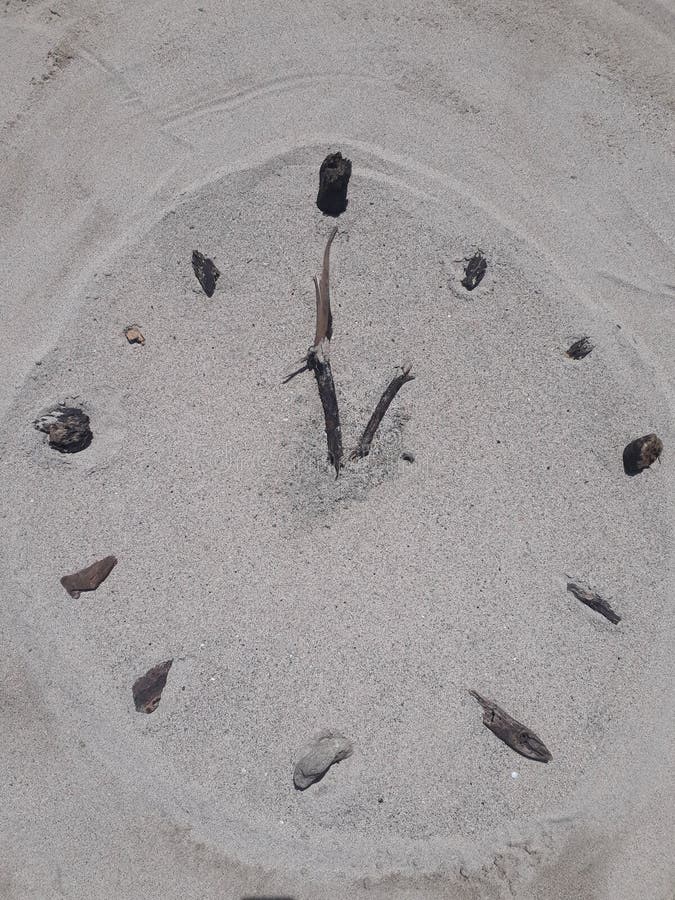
(373, 602)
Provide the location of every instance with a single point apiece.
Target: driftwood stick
(319, 363)
(594, 601)
(514, 734)
(303, 368)
(363, 448)
(318, 360)
(324, 316)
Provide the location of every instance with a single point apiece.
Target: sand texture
(292, 603)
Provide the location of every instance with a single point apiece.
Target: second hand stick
(363, 448)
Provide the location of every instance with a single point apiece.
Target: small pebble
(580, 348)
(206, 271)
(134, 334)
(641, 453)
(316, 757)
(474, 271)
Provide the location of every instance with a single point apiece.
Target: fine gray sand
(291, 602)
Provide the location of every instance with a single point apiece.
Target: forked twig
(363, 448)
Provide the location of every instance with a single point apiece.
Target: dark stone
(580, 348)
(206, 271)
(90, 578)
(68, 429)
(408, 456)
(474, 271)
(334, 176)
(641, 453)
(147, 690)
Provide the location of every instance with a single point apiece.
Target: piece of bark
(67, 428)
(318, 361)
(90, 578)
(334, 176)
(580, 348)
(147, 690)
(134, 334)
(641, 453)
(595, 601)
(516, 735)
(206, 271)
(316, 757)
(363, 448)
(474, 271)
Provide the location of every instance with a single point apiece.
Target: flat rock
(316, 757)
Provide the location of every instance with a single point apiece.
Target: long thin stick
(318, 360)
(324, 316)
(363, 448)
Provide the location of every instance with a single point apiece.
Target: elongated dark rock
(641, 453)
(516, 735)
(474, 271)
(147, 690)
(363, 448)
(595, 601)
(206, 271)
(67, 428)
(315, 759)
(334, 176)
(580, 348)
(90, 578)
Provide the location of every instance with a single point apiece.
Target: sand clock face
(335, 447)
(450, 554)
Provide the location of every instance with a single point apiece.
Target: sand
(291, 602)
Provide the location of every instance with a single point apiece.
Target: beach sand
(290, 601)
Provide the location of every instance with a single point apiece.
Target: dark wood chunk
(580, 348)
(68, 429)
(641, 453)
(516, 735)
(206, 271)
(89, 579)
(474, 271)
(334, 176)
(595, 601)
(147, 689)
(316, 757)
